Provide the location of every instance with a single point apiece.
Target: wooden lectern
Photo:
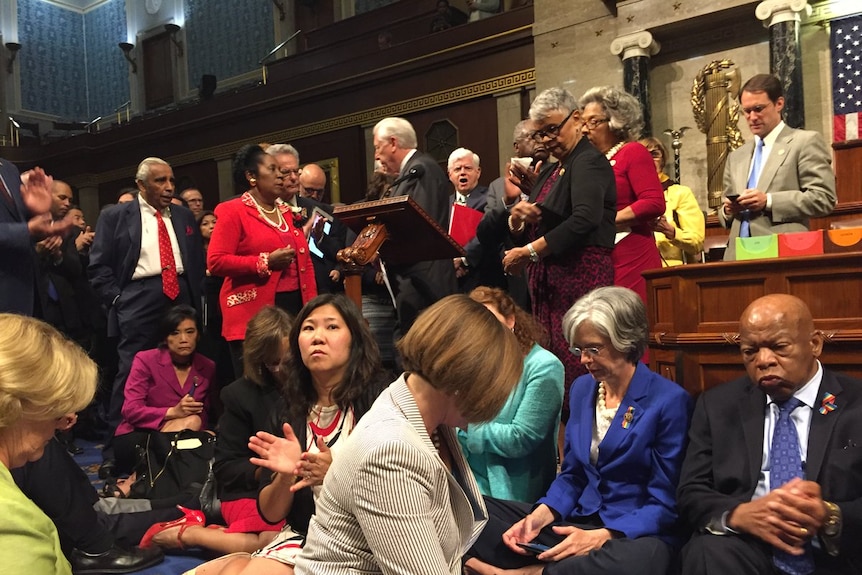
(399, 229)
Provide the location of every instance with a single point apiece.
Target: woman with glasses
(258, 249)
(564, 231)
(613, 121)
(612, 508)
(679, 232)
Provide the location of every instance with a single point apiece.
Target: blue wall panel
(107, 70)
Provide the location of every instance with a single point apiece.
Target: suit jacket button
(302, 250)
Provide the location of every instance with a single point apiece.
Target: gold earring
(252, 181)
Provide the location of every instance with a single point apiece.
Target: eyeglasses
(313, 191)
(285, 173)
(594, 123)
(655, 153)
(756, 109)
(551, 131)
(588, 351)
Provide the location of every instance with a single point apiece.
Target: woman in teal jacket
(515, 455)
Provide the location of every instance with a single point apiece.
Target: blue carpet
(175, 564)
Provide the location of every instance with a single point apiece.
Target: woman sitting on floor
(167, 387)
(250, 403)
(612, 508)
(333, 376)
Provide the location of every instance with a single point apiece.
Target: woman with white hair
(564, 232)
(612, 121)
(612, 508)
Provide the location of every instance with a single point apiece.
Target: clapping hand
(278, 454)
(312, 467)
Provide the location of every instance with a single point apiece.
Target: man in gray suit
(775, 183)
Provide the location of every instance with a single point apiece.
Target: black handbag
(173, 463)
(210, 503)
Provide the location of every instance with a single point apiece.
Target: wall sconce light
(13, 48)
(127, 47)
(280, 7)
(172, 29)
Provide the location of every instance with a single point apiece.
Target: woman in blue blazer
(612, 508)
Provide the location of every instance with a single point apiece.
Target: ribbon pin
(827, 404)
(628, 417)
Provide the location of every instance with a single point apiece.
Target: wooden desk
(694, 311)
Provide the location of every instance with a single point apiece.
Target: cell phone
(732, 197)
(534, 548)
(195, 383)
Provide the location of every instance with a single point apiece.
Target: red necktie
(170, 284)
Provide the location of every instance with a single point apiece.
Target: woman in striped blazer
(401, 498)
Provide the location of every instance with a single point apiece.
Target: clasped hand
(785, 518)
(188, 405)
(281, 258)
(752, 200)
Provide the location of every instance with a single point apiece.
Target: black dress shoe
(107, 469)
(115, 560)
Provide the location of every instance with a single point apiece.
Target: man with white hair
(146, 257)
(475, 268)
(418, 285)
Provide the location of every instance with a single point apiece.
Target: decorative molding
(638, 44)
(489, 87)
(776, 11)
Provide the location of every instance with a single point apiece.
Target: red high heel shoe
(190, 517)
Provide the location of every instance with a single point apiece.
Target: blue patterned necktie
(785, 463)
(745, 226)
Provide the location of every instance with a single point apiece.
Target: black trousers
(643, 556)
(62, 490)
(706, 554)
(139, 311)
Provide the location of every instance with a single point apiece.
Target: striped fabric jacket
(388, 504)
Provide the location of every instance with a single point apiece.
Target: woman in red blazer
(258, 249)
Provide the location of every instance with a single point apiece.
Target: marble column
(785, 53)
(635, 51)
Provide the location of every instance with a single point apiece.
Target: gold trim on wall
(364, 117)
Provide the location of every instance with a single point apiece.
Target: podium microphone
(412, 174)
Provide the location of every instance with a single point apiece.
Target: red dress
(241, 234)
(638, 187)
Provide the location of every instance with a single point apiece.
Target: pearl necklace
(281, 225)
(603, 410)
(613, 152)
(261, 208)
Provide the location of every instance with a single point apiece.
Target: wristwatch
(534, 257)
(832, 523)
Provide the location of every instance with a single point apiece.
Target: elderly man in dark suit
(772, 480)
(418, 285)
(147, 256)
(25, 218)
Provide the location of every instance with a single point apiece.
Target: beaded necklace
(281, 225)
(613, 152)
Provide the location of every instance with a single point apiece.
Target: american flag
(847, 78)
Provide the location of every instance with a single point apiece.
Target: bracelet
(534, 257)
(262, 265)
(512, 227)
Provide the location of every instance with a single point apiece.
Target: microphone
(412, 174)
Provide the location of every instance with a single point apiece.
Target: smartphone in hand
(534, 548)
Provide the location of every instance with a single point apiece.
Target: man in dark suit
(772, 480)
(776, 182)
(328, 244)
(418, 285)
(479, 266)
(25, 218)
(146, 257)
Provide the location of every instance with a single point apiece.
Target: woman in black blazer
(565, 231)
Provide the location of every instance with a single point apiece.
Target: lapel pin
(562, 171)
(827, 404)
(628, 417)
